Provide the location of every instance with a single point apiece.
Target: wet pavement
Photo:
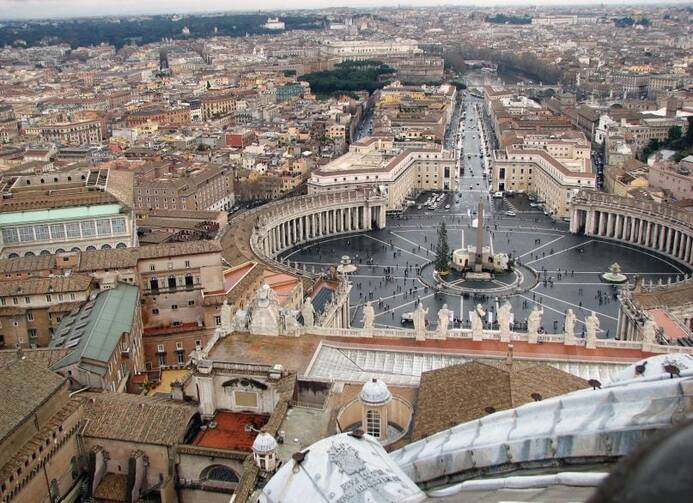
(569, 266)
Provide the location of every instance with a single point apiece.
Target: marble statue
(504, 312)
(649, 332)
(569, 337)
(225, 315)
(308, 312)
(534, 323)
(291, 325)
(591, 328)
(477, 322)
(368, 316)
(420, 320)
(264, 313)
(240, 321)
(443, 321)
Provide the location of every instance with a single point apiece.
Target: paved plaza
(569, 266)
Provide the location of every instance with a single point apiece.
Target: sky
(20, 9)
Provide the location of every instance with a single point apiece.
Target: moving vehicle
(447, 206)
(511, 213)
(498, 195)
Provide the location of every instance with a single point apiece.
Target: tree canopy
(367, 75)
(143, 30)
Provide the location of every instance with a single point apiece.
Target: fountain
(614, 276)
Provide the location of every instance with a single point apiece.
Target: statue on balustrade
(368, 316)
(591, 329)
(649, 332)
(504, 315)
(308, 312)
(420, 320)
(477, 322)
(226, 318)
(534, 323)
(569, 337)
(443, 321)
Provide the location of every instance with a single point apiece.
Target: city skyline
(56, 9)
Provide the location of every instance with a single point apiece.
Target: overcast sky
(71, 8)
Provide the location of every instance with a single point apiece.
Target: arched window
(106, 247)
(373, 423)
(91, 248)
(219, 473)
(75, 249)
(121, 245)
(13, 255)
(45, 252)
(29, 254)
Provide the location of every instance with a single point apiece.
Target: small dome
(375, 392)
(264, 443)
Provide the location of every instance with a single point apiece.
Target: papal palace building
(397, 169)
(554, 168)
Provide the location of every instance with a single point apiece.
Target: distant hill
(141, 30)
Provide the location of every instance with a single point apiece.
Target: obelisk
(478, 262)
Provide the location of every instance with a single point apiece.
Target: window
(103, 227)
(57, 231)
(160, 348)
(162, 359)
(198, 344)
(217, 321)
(172, 282)
(72, 230)
(154, 284)
(41, 232)
(48, 298)
(26, 233)
(180, 357)
(72, 296)
(373, 423)
(179, 345)
(155, 311)
(27, 300)
(174, 307)
(32, 333)
(118, 225)
(187, 263)
(188, 280)
(10, 235)
(191, 302)
(152, 267)
(29, 316)
(88, 228)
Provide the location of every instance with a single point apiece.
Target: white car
(498, 195)
(511, 213)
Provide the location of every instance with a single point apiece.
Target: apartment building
(32, 308)
(60, 212)
(397, 169)
(206, 187)
(175, 280)
(548, 166)
(164, 116)
(215, 105)
(105, 336)
(674, 178)
(88, 132)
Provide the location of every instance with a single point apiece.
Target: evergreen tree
(442, 262)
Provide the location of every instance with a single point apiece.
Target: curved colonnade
(281, 225)
(654, 226)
